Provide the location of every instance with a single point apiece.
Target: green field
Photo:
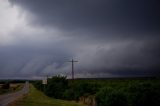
(37, 98)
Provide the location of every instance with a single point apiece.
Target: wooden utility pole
(72, 61)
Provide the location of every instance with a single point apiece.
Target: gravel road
(8, 98)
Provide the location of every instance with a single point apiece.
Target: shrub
(38, 85)
(78, 89)
(69, 94)
(111, 97)
(145, 94)
(56, 86)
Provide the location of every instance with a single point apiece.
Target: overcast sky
(109, 38)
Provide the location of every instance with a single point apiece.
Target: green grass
(37, 98)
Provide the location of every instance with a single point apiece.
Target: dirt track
(8, 98)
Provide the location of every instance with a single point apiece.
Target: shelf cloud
(109, 38)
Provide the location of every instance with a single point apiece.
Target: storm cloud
(109, 38)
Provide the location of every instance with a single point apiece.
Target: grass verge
(37, 98)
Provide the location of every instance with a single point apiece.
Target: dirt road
(8, 98)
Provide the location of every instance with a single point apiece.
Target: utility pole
(72, 61)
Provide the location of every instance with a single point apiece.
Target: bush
(145, 94)
(111, 97)
(69, 94)
(56, 86)
(78, 89)
(38, 85)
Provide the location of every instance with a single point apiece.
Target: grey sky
(109, 38)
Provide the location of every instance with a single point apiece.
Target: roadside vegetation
(37, 98)
(113, 92)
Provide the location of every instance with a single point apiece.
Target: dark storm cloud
(131, 59)
(29, 61)
(108, 37)
(114, 16)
